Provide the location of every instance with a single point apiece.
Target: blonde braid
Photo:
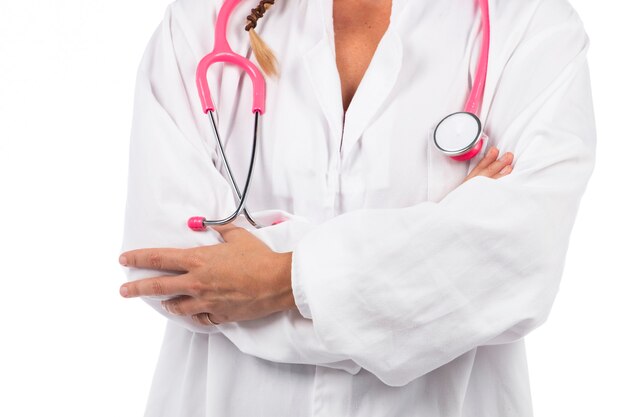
(262, 52)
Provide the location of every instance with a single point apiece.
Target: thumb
(228, 231)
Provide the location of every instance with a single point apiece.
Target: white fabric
(413, 291)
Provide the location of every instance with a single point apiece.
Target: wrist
(284, 292)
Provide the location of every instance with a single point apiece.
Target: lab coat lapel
(321, 67)
(374, 89)
(377, 83)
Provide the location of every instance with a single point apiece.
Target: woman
(399, 285)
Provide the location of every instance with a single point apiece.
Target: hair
(263, 54)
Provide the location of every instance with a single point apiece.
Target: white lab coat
(413, 291)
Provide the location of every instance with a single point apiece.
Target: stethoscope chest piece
(459, 135)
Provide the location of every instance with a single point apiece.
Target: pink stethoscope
(459, 135)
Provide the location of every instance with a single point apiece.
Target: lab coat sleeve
(172, 176)
(405, 291)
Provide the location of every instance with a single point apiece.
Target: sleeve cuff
(297, 286)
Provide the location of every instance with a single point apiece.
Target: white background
(71, 346)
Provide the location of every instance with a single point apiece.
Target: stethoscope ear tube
(197, 223)
(222, 52)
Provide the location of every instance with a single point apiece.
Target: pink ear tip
(196, 224)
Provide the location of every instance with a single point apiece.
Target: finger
(205, 319)
(489, 157)
(504, 172)
(170, 259)
(183, 306)
(159, 286)
(496, 167)
(228, 231)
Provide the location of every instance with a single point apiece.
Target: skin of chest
(359, 25)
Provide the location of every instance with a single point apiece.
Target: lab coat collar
(374, 88)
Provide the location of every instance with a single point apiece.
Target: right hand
(492, 167)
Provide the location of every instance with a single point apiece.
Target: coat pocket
(444, 173)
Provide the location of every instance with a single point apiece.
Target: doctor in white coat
(398, 285)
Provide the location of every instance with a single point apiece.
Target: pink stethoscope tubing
(222, 52)
(478, 89)
(476, 95)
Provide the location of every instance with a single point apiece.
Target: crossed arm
(240, 279)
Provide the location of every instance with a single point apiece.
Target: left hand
(491, 167)
(240, 279)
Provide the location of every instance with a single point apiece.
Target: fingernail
(123, 291)
(123, 260)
